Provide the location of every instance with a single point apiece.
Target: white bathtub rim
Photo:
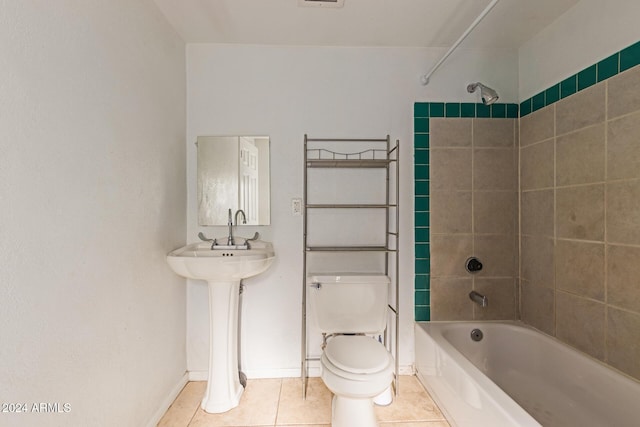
(437, 334)
(530, 329)
(507, 407)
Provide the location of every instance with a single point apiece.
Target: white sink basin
(222, 269)
(199, 261)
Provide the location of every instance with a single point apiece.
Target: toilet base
(385, 398)
(348, 412)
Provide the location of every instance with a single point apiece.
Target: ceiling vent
(321, 3)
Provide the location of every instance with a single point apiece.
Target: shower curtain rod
(426, 77)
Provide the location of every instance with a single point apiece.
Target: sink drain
(476, 335)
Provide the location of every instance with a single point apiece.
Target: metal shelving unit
(372, 153)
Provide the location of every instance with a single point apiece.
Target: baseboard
(164, 406)
(273, 373)
(198, 375)
(406, 370)
(252, 374)
(314, 371)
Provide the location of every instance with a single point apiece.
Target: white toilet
(356, 368)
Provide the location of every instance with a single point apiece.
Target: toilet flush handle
(316, 285)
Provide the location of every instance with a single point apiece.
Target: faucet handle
(202, 237)
(255, 237)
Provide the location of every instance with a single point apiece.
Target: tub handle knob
(473, 265)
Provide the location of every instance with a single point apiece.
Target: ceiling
(411, 23)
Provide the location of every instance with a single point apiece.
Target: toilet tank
(349, 303)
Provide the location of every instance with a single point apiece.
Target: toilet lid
(357, 354)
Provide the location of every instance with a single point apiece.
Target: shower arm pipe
(426, 77)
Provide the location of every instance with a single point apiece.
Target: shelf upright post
(386, 231)
(304, 374)
(387, 200)
(397, 247)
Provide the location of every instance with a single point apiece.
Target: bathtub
(518, 376)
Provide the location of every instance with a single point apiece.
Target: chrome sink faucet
(244, 217)
(230, 240)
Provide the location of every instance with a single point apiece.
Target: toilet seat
(359, 355)
(343, 381)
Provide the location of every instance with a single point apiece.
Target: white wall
(285, 92)
(587, 33)
(92, 190)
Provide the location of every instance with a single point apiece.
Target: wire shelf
(372, 155)
(369, 158)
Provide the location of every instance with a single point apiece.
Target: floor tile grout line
(194, 412)
(275, 422)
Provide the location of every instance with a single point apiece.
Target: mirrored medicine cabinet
(233, 173)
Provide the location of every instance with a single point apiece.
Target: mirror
(233, 173)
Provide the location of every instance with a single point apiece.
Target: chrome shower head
(489, 96)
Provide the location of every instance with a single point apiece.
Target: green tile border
(587, 77)
(422, 313)
(452, 109)
(605, 69)
(467, 109)
(608, 67)
(630, 57)
(568, 86)
(422, 113)
(436, 109)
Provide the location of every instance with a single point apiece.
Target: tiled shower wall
(580, 220)
(465, 205)
(473, 213)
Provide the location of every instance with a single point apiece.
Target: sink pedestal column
(223, 385)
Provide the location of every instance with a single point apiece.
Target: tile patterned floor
(278, 402)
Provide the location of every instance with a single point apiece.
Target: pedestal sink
(222, 269)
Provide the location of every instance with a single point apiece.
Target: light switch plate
(296, 206)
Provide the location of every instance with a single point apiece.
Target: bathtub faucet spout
(480, 299)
